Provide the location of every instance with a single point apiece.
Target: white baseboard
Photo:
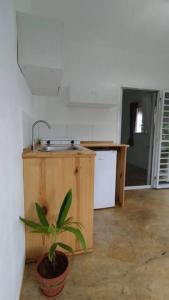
(138, 187)
(21, 279)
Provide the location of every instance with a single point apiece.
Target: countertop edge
(85, 145)
(28, 153)
(102, 144)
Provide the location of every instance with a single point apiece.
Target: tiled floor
(130, 260)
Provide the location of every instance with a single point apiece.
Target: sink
(56, 148)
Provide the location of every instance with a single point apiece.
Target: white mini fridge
(105, 179)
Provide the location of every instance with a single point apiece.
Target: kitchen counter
(121, 164)
(104, 144)
(87, 149)
(47, 178)
(82, 151)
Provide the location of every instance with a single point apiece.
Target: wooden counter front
(121, 164)
(47, 179)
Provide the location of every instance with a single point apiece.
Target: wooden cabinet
(47, 180)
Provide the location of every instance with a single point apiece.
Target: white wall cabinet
(87, 94)
(40, 52)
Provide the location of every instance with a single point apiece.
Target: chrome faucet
(33, 127)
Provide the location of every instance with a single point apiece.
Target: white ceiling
(119, 42)
(137, 25)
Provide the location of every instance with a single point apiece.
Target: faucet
(33, 127)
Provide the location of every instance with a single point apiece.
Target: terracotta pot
(52, 287)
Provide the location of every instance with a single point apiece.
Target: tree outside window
(139, 128)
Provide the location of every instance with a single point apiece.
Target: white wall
(14, 99)
(24, 6)
(27, 114)
(119, 43)
(75, 122)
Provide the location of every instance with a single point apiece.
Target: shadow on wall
(27, 122)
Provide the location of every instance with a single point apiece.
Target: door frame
(149, 89)
(158, 141)
(156, 145)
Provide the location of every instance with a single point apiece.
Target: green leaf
(51, 229)
(51, 252)
(78, 224)
(66, 247)
(29, 223)
(78, 234)
(70, 221)
(41, 215)
(64, 209)
(67, 221)
(38, 228)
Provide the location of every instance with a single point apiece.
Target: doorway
(137, 130)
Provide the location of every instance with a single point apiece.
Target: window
(139, 121)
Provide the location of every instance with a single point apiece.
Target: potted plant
(53, 267)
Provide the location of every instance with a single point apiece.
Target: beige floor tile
(130, 260)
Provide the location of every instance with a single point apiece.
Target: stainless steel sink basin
(56, 148)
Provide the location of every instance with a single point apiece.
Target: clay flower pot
(52, 286)
(53, 267)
